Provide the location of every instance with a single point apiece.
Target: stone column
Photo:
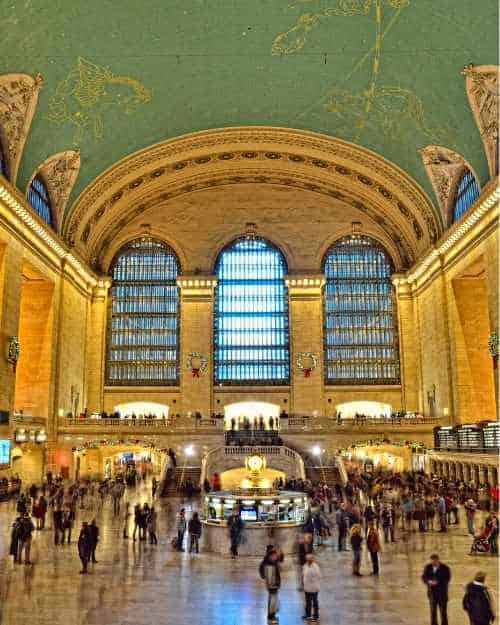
(197, 302)
(305, 294)
(96, 346)
(408, 344)
(10, 306)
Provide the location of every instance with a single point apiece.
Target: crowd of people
(370, 510)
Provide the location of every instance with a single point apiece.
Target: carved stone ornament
(18, 99)
(444, 168)
(13, 350)
(481, 84)
(59, 172)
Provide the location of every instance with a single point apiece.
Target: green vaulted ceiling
(119, 76)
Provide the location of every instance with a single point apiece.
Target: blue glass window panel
(251, 334)
(143, 332)
(467, 193)
(38, 197)
(360, 326)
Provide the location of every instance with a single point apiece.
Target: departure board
(491, 435)
(446, 438)
(469, 437)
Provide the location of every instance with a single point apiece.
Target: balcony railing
(292, 424)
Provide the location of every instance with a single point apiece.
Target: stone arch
(156, 179)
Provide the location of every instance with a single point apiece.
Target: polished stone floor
(139, 584)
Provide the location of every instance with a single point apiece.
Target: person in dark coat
(84, 547)
(194, 530)
(477, 601)
(94, 539)
(436, 577)
(15, 538)
(235, 526)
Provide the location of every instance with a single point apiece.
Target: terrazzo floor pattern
(140, 584)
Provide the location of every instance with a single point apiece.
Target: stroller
(481, 542)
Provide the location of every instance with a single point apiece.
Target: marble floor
(139, 584)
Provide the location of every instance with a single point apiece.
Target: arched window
(466, 194)
(143, 330)
(361, 339)
(38, 197)
(251, 340)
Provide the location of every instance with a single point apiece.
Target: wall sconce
(20, 436)
(13, 350)
(41, 436)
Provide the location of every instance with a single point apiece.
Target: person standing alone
(373, 546)
(477, 601)
(436, 577)
(269, 571)
(311, 575)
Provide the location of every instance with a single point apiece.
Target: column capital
(100, 290)
(196, 287)
(305, 286)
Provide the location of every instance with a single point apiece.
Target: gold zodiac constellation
(387, 107)
(87, 92)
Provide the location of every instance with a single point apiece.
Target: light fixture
(189, 451)
(316, 450)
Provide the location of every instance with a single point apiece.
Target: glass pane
(361, 339)
(38, 197)
(143, 332)
(467, 194)
(251, 338)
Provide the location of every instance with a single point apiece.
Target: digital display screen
(249, 515)
(4, 451)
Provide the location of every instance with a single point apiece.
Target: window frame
(128, 247)
(361, 381)
(284, 381)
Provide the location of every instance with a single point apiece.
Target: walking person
(67, 524)
(387, 518)
(58, 525)
(235, 526)
(25, 537)
(356, 546)
(151, 525)
(436, 577)
(269, 571)
(312, 581)
(441, 510)
(194, 530)
(477, 601)
(374, 547)
(84, 547)
(117, 494)
(470, 512)
(94, 539)
(15, 539)
(341, 521)
(181, 529)
(126, 516)
(137, 521)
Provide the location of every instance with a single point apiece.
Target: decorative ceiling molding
(280, 156)
(59, 172)
(18, 99)
(445, 168)
(481, 84)
(105, 245)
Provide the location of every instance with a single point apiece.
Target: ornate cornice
(481, 84)
(59, 172)
(279, 155)
(18, 99)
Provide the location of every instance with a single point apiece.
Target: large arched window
(143, 330)
(251, 340)
(39, 198)
(466, 194)
(361, 339)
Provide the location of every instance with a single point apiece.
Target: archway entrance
(376, 409)
(251, 415)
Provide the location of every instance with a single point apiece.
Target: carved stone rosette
(18, 99)
(444, 168)
(481, 83)
(59, 172)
